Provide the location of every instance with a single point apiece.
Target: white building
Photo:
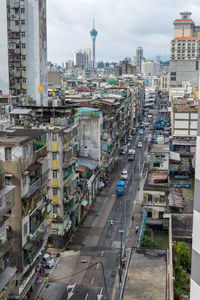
(23, 49)
(150, 96)
(149, 67)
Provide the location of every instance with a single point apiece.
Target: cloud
(121, 25)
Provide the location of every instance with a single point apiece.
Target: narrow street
(89, 268)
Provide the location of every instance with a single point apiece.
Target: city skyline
(121, 27)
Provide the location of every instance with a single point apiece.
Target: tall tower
(93, 34)
(139, 58)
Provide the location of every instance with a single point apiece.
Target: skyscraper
(23, 49)
(93, 34)
(139, 58)
(185, 51)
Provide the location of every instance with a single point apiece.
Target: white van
(47, 261)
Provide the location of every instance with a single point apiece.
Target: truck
(131, 154)
(120, 188)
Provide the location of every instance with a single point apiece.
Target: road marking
(92, 281)
(97, 266)
(102, 253)
(109, 232)
(100, 295)
(71, 293)
(86, 297)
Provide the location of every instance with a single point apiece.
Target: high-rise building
(93, 34)
(23, 49)
(82, 58)
(185, 51)
(139, 58)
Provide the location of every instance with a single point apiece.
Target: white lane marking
(92, 281)
(86, 297)
(100, 295)
(97, 266)
(71, 293)
(102, 253)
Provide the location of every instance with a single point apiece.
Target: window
(54, 137)
(23, 34)
(24, 181)
(161, 213)
(55, 192)
(22, 10)
(149, 197)
(22, 22)
(149, 214)
(55, 209)
(23, 57)
(23, 46)
(16, 22)
(24, 69)
(8, 154)
(24, 80)
(55, 174)
(25, 229)
(54, 156)
(7, 180)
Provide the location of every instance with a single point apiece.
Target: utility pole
(120, 269)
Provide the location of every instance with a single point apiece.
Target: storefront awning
(84, 203)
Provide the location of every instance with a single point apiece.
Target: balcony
(33, 187)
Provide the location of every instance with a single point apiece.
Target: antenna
(93, 21)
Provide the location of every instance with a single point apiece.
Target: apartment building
(184, 117)
(23, 50)
(23, 157)
(63, 186)
(156, 186)
(185, 51)
(139, 58)
(149, 67)
(151, 95)
(7, 270)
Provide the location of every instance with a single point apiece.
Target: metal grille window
(55, 174)
(8, 154)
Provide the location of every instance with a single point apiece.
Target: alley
(95, 251)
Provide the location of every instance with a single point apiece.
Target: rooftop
(19, 136)
(184, 38)
(156, 148)
(157, 178)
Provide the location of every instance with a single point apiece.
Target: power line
(83, 270)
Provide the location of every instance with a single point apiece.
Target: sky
(122, 25)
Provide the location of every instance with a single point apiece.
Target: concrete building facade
(23, 156)
(139, 58)
(24, 49)
(185, 51)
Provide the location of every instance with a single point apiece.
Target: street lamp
(120, 269)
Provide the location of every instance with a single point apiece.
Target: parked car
(47, 261)
(123, 151)
(129, 138)
(139, 144)
(124, 175)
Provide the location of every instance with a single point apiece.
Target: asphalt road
(95, 251)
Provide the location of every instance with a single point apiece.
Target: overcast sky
(122, 25)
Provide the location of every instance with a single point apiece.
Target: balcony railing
(33, 187)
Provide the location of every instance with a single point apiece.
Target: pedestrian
(38, 280)
(136, 228)
(29, 295)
